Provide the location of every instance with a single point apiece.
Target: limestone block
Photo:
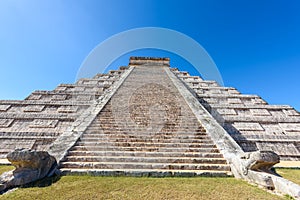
(43, 123)
(290, 127)
(248, 126)
(83, 98)
(258, 101)
(5, 123)
(233, 91)
(287, 148)
(243, 112)
(278, 113)
(67, 109)
(78, 89)
(93, 82)
(57, 97)
(213, 91)
(30, 166)
(234, 101)
(34, 108)
(4, 108)
(291, 112)
(273, 129)
(34, 97)
(260, 112)
(61, 88)
(224, 111)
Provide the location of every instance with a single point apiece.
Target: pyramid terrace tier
(251, 121)
(37, 121)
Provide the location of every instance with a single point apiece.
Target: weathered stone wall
(36, 122)
(253, 123)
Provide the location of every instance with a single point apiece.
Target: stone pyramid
(147, 119)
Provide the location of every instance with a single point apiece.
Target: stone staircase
(146, 129)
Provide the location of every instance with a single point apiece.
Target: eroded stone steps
(140, 165)
(149, 138)
(128, 131)
(145, 172)
(145, 159)
(26, 137)
(144, 144)
(136, 146)
(145, 149)
(181, 140)
(108, 127)
(146, 154)
(33, 134)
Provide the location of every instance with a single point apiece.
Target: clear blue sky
(255, 44)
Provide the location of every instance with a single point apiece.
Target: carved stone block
(260, 112)
(61, 88)
(34, 108)
(234, 101)
(30, 166)
(4, 108)
(273, 129)
(224, 111)
(5, 123)
(43, 123)
(248, 126)
(34, 97)
(67, 109)
(292, 127)
(261, 161)
(291, 112)
(59, 97)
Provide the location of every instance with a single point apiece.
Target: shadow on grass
(45, 182)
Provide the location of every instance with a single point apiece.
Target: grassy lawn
(88, 187)
(290, 174)
(5, 168)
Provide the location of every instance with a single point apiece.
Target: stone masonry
(37, 121)
(146, 129)
(143, 124)
(251, 122)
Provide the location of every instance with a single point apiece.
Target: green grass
(89, 187)
(290, 174)
(5, 168)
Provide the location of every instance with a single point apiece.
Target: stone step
(106, 115)
(112, 122)
(139, 131)
(144, 144)
(4, 152)
(146, 154)
(145, 172)
(138, 165)
(155, 140)
(145, 159)
(26, 137)
(92, 136)
(105, 125)
(145, 149)
(173, 130)
(33, 134)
